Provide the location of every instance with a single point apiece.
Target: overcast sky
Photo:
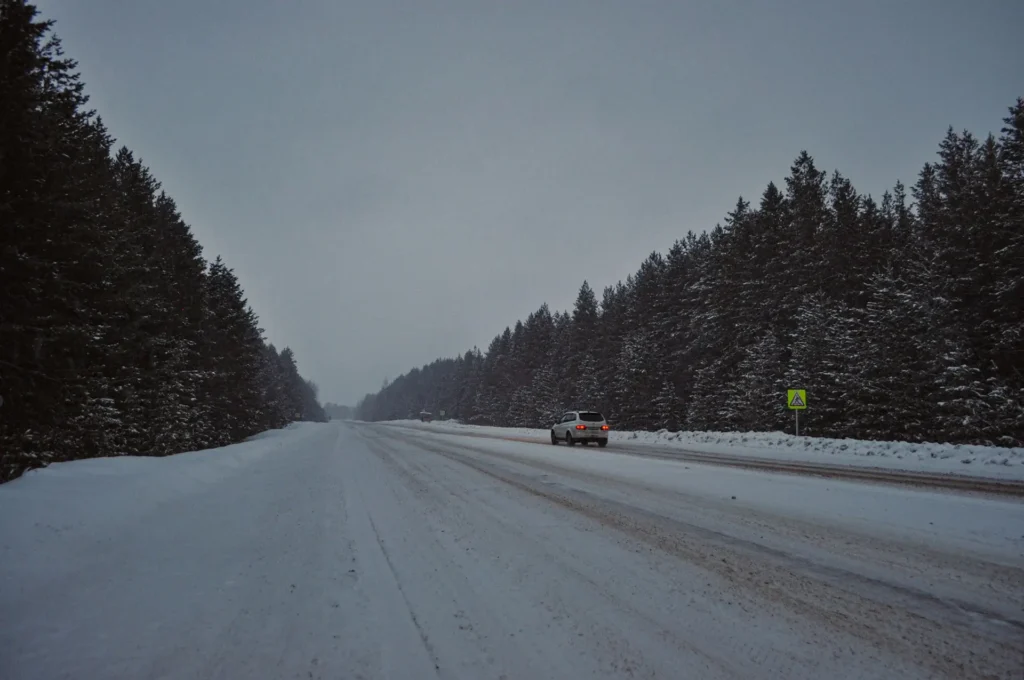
(397, 181)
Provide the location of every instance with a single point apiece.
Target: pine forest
(116, 336)
(905, 321)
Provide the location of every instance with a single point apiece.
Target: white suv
(582, 427)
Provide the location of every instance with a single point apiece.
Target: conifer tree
(116, 339)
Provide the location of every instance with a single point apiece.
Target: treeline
(337, 411)
(903, 319)
(116, 337)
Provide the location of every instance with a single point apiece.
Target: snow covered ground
(979, 461)
(346, 550)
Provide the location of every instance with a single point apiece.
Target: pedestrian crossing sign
(797, 399)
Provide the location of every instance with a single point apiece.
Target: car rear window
(591, 417)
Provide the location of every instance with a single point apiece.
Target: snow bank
(961, 459)
(95, 493)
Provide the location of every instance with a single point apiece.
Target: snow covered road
(368, 551)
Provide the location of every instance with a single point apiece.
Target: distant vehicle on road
(582, 427)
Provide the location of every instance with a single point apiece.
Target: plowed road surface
(368, 551)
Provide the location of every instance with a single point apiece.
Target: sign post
(796, 400)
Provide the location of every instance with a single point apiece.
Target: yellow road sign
(796, 399)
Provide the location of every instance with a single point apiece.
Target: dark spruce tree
(116, 338)
(232, 357)
(55, 245)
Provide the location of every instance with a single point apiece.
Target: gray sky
(397, 181)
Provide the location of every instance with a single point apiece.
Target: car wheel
(569, 439)
(554, 439)
(602, 443)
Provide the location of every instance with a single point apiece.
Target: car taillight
(581, 427)
(604, 427)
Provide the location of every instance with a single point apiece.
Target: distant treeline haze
(902, 318)
(337, 411)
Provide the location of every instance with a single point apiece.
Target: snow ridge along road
(367, 551)
(957, 482)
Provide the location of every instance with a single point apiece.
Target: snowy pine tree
(755, 402)
(668, 408)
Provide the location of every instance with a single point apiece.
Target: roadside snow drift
(961, 459)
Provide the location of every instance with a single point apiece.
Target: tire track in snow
(408, 605)
(657, 603)
(603, 634)
(405, 651)
(1002, 578)
(949, 650)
